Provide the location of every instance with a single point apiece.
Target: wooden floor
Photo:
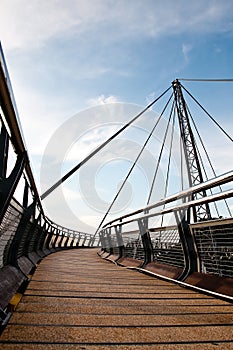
(76, 300)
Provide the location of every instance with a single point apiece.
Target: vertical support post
(72, 240)
(24, 234)
(190, 256)
(90, 242)
(102, 240)
(8, 185)
(109, 241)
(84, 240)
(4, 148)
(78, 239)
(61, 236)
(51, 230)
(42, 236)
(67, 240)
(25, 194)
(146, 241)
(118, 231)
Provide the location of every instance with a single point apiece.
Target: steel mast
(195, 177)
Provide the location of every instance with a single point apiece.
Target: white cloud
(150, 98)
(88, 142)
(93, 220)
(186, 49)
(31, 24)
(70, 194)
(102, 99)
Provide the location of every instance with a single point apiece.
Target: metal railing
(204, 247)
(26, 234)
(167, 247)
(214, 246)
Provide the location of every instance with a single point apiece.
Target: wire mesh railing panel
(133, 247)
(8, 229)
(34, 241)
(115, 249)
(41, 240)
(215, 249)
(25, 233)
(167, 248)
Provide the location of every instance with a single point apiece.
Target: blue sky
(65, 57)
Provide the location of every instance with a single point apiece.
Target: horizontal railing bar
(209, 199)
(164, 228)
(217, 181)
(211, 223)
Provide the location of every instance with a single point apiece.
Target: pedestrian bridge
(160, 277)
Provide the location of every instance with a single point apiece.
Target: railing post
(118, 230)
(78, 240)
(24, 233)
(8, 185)
(67, 240)
(48, 244)
(101, 240)
(72, 241)
(146, 241)
(105, 240)
(42, 237)
(4, 149)
(190, 256)
(109, 241)
(90, 241)
(56, 241)
(84, 240)
(62, 236)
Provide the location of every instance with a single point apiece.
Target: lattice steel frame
(195, 176)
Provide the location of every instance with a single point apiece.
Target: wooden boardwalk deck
(76, 300)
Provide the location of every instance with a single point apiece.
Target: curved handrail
(218, 181)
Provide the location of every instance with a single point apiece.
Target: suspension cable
(72, 171)
(205, 172)
(160, 155)
(132, 167)
(201, 160)
(207, 80)
(209, 161)
(208, 113)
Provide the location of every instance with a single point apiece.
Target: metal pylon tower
(195, 177)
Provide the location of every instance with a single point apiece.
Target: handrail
(209, 199)
(221, 179)
(13, 122)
